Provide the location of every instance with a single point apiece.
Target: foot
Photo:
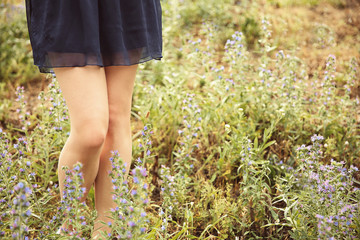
(64, 228)
(97, 235)
(100, 227)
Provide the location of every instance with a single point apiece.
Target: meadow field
(248, 128)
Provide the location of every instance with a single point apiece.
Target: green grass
(247, 141)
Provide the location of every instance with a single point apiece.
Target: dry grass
(294, 28)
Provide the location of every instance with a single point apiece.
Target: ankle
(101, 227)
(64, 229)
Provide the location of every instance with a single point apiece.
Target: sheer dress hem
(50, 68)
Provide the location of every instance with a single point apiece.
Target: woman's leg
(85, 93)
(120, 84)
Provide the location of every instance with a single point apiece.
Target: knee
(119, 118)
(94, 138)
(92, 134)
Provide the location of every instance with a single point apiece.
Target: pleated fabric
(70, 33)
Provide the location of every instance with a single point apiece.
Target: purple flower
(28, 213)
(143, 172)
(20, 185)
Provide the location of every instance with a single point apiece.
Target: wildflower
(143, 172)
(136, 180)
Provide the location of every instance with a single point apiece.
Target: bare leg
(85, 93)
(120, 83)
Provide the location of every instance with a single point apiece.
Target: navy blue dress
(68, 33)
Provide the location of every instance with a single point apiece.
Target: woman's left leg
(120, 83)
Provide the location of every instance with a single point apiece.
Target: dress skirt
(70, 33)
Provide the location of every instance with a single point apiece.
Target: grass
(248, 128)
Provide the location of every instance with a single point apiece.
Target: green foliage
(191, 12)
(251, 30)
(72, 211)
(129, 216)
(322, 196)
(16, 63)
(228, 151)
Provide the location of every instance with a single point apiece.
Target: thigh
(120, 84)
(85, 93)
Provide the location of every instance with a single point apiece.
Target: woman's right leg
(85, 93)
